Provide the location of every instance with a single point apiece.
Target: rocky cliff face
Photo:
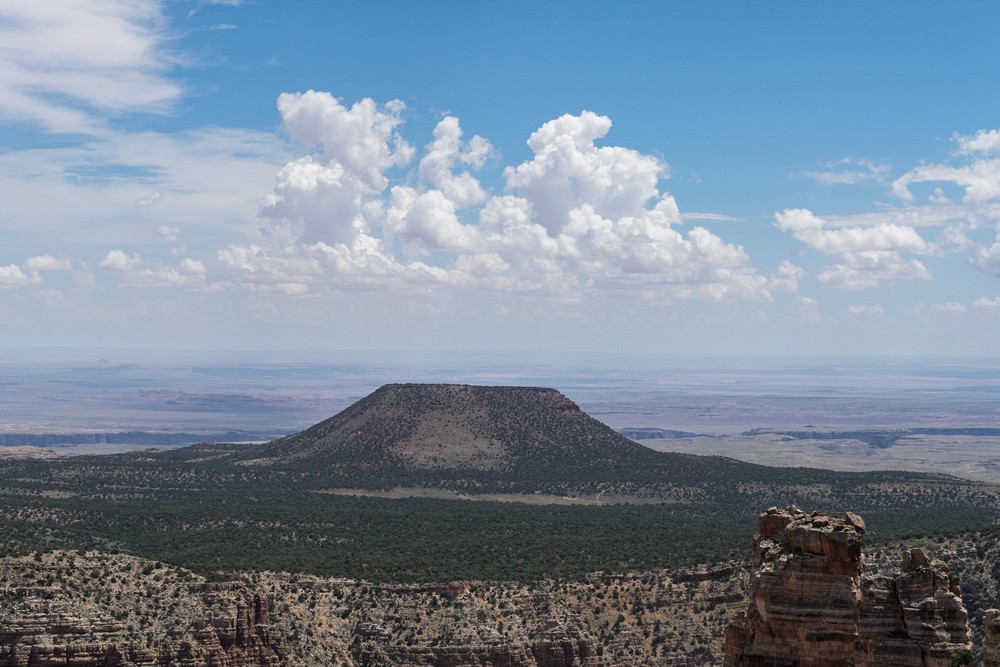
(605, 621)
(805, 592)
(991, 628)
(542, 653)
(234, 633)
(810, 606)
(47, 623)
(90, 610)
(913, 617)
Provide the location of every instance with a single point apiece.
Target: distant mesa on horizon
(426, 432)
(480, 441)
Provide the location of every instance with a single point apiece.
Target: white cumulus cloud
(787, 277)
(976, 173)
(47, 263)
(980, 180)
(983, 141)
(575, 218)
(949, 308)
(321, 196)
(984, 257)
(447, 150)
(988, 304)
(866, 256)
(13, 276)
(134, 272)
(116, 260)
(958, 197)
(812, 231)
(978, 176)
(865, 270)
(568, 170)
(363, 139)
(427, 221)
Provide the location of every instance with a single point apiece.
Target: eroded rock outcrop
(914, 617)
(805, 592)
(991, 628)
(40, 629)
(98, 609)
(543, 653)
(810, 606)
(469, 634)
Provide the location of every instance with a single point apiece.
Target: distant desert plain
(917, 414)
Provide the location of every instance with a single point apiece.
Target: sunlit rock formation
(811, 606)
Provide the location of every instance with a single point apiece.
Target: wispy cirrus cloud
(870, 244)
(76, 68)
(939, 213)
(126, 186)
(65, 65)
(696, 216)
(848, 171)
(867, 311)
(977, 175)
(979, 179)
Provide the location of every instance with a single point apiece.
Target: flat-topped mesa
(435, 427)
(810, 606)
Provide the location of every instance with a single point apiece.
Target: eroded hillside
(100, 608)
(81, 608)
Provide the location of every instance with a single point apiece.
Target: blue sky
(651, 177)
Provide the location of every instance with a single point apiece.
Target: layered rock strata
(991, 628)
(37, 629)
(810, 606)
(914, 617)
(88, 610)
(535, 654)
